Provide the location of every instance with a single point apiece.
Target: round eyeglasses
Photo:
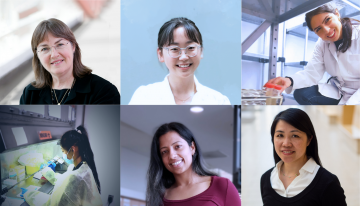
(46, 49)
(175, 51)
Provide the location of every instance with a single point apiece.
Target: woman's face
(290, 143)
(175, 152)
(183, 66)
(57, 62)
(69, 153)
(327, 26)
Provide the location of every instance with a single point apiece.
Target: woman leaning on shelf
(337, 52)
(60, 76)
(298, 178)
(177, 175)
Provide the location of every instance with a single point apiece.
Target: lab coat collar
(198, 86)
(355, 32)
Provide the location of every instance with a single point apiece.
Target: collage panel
(181, 53)
(59, 155)
(304, 155)
(180, 155)
(59, 52)
(302, 52)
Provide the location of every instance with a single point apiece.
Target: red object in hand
(269, 85)
(277, 87)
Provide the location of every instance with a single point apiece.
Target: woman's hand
(282, 81)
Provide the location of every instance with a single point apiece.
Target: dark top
(324, 190)
(220, 193)
(337, 43)
(90, 89)
(78, 166)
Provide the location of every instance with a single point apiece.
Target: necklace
(58, 103)
(290, 177)
(183, 101)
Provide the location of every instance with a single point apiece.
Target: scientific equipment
(12, 173)
(259, 97)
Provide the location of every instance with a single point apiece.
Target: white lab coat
(344, 66)
(72, 188)
(160, 93)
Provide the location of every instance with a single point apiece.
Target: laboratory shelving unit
(270, 14)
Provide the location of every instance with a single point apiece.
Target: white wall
(133, 167)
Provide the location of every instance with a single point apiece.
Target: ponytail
(79, 137)
(346, 33)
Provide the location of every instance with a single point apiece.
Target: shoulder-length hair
(166, 37)
(80, 138)
(158, 177)
(58, 29)
(345, 22)
(301, 121)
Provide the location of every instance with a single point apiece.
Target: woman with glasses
(337, 52)
(180, 47)
(177, 175)
(60, 76)
(298, 177)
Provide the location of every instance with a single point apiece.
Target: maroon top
(220, 193)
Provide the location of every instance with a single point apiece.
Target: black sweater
(90, 89)
(324, 190)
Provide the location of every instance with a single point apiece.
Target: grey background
(219, 23)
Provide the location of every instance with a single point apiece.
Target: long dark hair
(80, 139)
(301, 121)
(345, 22)
(166, 37)
(158, 177)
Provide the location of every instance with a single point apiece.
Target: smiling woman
(298, 177)
(60, 76)
(337, 52)
(180, 47)
(177, 175)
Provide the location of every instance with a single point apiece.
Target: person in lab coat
(80, 184)
(180, 47)
(337, 52)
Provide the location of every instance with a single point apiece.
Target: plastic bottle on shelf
(276, 91)
(269, 89)
(12, 173)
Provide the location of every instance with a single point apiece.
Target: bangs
(54, 27)
(190, 32)
(166, 33)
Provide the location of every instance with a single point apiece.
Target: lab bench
(31, 181)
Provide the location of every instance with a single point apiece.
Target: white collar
(309, 166)
(199, 87)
